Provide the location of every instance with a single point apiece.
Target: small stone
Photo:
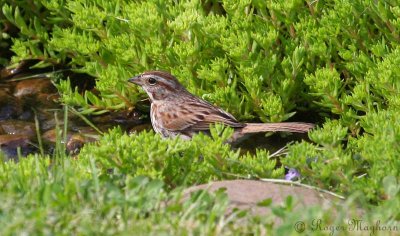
(129, 118)
(32, 87)
(48, 100)
(13, 140)
(50, 136)
(6, 88)
(47, 119)
(139, 128)
(26, 115)
(9, 144)
(7, 72)
(10, 107)
(17, 127)
(75, 143)
(18, 70)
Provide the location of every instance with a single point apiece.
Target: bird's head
(159, 85)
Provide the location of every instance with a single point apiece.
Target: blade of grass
(86, 120)
(38, 135)
(65, 124)
(19, 153)
(48, 75)
(60, 144)
(288, 182)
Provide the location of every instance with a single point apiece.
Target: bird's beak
(135, 80)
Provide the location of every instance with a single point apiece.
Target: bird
(175, 111)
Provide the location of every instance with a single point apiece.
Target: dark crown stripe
(161, 74)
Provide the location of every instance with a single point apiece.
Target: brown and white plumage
(175, 111)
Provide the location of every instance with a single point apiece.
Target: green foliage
(74, 196)
(35, 24)
(176, 161)
(250, 57)
(362, 165)
(260, 60)
(89, 103)
(95, 205)
(207, 50)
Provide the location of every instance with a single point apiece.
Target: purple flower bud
(292, 175)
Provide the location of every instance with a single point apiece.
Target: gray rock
(246, 194)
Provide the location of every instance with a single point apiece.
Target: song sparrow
(175, 111)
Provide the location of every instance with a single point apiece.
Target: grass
(41, 196)
(93, 195)
(334, 61)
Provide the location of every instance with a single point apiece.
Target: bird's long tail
(294, 127)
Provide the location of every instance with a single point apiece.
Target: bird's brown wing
(199, 118)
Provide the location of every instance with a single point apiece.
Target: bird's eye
(152, 81)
